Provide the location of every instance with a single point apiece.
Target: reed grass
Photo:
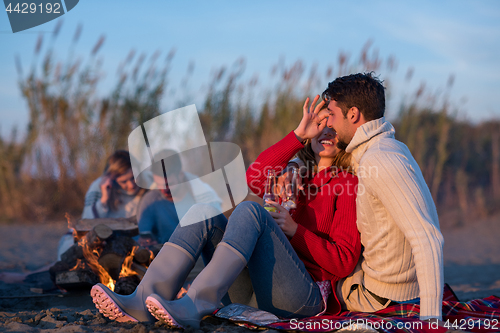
(73, 127)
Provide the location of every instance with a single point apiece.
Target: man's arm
(401, 188)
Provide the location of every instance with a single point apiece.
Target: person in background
(157, 214)
(114, 194)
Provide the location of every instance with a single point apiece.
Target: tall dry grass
(459, 159)
(73, 126)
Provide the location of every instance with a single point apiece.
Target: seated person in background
(115, 194)
(157, 214)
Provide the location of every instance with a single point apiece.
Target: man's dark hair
(362, 90)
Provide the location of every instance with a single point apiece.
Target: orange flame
(127, 264)
(71, 225)
(69, 218)
(92, 260)
(80, 264)
(182, 292)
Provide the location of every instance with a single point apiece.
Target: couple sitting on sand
(312, 262)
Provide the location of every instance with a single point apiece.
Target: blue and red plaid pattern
(480, 315)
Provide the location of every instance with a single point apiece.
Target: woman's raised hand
(106, 184)
(311, 124)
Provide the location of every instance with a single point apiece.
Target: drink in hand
(269, 190)
(290, 203)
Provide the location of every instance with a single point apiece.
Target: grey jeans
(280, 281)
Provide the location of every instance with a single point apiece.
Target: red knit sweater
(327, 239)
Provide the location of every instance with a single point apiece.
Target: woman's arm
(278, 155)
(92, 208)
(275, 157)
(337, 254)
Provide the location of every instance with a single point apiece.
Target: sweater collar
(366, 132)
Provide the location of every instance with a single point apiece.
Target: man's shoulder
(387, 157)
(384, 148)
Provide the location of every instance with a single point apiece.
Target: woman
(285, 258)
(114, 194)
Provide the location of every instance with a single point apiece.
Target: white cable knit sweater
(397, 219)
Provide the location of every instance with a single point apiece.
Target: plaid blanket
(480, 315)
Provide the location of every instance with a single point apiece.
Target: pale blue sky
(436, 38)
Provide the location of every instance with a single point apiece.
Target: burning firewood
(71, 256)
(143, 256)
(106, 249)
(126, 285)
(156, 249)
(113, 254)
(98, 235)
(93, 239)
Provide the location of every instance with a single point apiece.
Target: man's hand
(311, 124)
(106, 184)
(283, 219)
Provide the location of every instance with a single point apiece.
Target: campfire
(105, 252)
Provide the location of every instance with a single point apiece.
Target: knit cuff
(431, 307)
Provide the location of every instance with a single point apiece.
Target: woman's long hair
(341, 161)
(118, 164)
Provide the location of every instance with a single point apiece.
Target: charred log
(112, 263)
(126, 285)
(58, 267)
(139, 269)
(142, 256)
(106, 243)
(125, 226)
(71, 256)
(156, 249)
(113, 254)
(78, 279)
(98, 235)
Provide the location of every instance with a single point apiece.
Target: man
(397, 218)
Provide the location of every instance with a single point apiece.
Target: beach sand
(471, 257)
